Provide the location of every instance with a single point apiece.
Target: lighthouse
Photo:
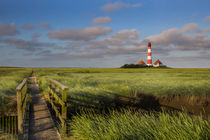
(149, 55)
(141, 63)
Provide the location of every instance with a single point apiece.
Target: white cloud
(207, 18)
(28, 26)
(207, 29)
(80, 34)
(125, 34)
(121, 38)
(101, 20)
(36, 35)
(117, 6)
(190, 27)
(28, 45)
(180, 41)
(43, 25)
(122, 42)
(8, 29)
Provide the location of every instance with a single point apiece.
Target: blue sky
(104, 33)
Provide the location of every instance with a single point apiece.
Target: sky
(104, 33)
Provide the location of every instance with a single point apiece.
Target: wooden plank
(58, 84)
(9, 123)
(64, 106)
(43, 126)
(21, 85)
(57, 98)
(12, 125)
(19, 112)
(64, 95)
(22, 100)
(3, 124)
(58, 114)
(47, 97)
(6, 124)
(0, 124)
(64, 112)
(15, 122)
(52, 88)
(56, 111)
(24, 103)
(24, 90)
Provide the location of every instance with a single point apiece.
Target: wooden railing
(13, 125)
(23, 101)
(8, 125)
(57, 97)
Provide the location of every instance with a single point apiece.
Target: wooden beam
(58, 84)
(21, 85)
(19, 112)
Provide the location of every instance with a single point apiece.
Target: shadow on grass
(109, 101)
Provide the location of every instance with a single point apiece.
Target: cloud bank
(36, 35)
(207, 18)
(126, 42)
(177, 39)
(43, 25)
(101, 20)
(8, 29)
(80, 34)
(117, 6)
(27, 45)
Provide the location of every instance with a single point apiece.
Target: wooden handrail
(58, 84)
(21, 85)
(23, 99)
(14, 124)
(53, 98)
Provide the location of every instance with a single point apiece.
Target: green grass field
(127, 124)
(127, 81)
(92, 88)
(9, 80)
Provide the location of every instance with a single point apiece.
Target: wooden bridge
(34, 120)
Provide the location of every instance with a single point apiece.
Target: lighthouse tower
(149, 55)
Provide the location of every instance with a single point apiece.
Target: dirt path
(41, 126)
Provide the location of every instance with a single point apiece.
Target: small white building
(158, 63)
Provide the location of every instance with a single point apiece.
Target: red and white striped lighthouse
(149, 55)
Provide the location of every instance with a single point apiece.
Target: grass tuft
(127, 124)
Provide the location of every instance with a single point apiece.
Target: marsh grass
(101, 88)
(125, 81)
(9, 79)
(95, 91)
(127, 124)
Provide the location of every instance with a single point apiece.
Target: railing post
(19, 112)
(49, 88)
(64, 107)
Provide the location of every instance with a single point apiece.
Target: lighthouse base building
(158, 63)
(141, 62)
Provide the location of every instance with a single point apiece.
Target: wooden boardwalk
(41, 125)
